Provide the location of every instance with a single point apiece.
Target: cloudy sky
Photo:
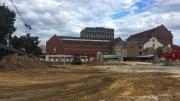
(69, 17)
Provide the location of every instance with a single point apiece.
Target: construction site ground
(125, 82)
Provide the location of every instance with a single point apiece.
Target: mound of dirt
(14, 62)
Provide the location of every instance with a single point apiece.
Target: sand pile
(14, 62)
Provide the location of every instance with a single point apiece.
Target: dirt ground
(92, 83)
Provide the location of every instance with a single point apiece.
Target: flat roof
(87, 40)
(67, 38)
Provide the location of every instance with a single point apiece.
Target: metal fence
(5, 50)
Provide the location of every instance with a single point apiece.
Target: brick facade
(137, 41)
(163, 35)
(119, 47)
(59, 46)
(102, 40)
(54, 46)
(132, 48)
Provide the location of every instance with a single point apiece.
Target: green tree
(28, 43)
(159, 49)
(7, 19)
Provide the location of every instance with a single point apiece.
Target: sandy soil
(92, 83)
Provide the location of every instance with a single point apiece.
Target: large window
(140, 47)
(140, 53)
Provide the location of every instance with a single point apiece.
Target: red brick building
(94, 40)
(161, 33)
(63, 48)
(136, 42)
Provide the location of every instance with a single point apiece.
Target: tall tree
(28, 43)
(7, 19)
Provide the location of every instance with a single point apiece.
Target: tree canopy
(28, 43)
(7, 19)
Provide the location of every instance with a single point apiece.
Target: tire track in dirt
(61, 89)
(87, 90)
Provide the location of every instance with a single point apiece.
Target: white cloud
(69, 17)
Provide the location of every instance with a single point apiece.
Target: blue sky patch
(119, 15)
(142, 6)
